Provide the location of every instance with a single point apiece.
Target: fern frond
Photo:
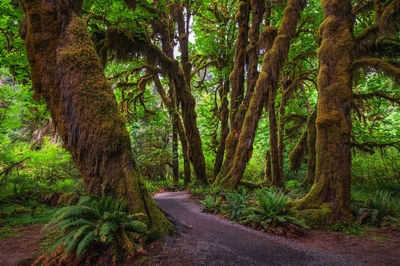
(136, 226)
(85, 242)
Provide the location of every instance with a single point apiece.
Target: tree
(329, 199)
(266, 86)
(68, 74)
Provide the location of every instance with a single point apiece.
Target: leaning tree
(68, 74)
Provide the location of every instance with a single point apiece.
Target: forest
(278, 115)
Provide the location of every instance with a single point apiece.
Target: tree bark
(223, 116)
(68, 74)
(276, 170)
(237, 80)
(329, 199)
(311, 138)
(267, 82)
(267, 169)
(175, 155)
(179, 127)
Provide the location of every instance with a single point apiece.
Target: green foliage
(272, 209)
(95, 226)
(237, 204)
(199, 192)
(380, 209)
(24, 213)
(212, 204)
(348, 229)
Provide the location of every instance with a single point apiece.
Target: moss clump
(317, 218)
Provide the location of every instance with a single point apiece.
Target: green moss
(317, 218)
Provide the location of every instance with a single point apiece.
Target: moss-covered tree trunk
(329, 198)
(267, 82)
(267, 169)
(311, 138)
(175, 155)
(67, 73)
(237, 81)
(276, 170)
(224, 117)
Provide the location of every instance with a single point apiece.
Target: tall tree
(330, 194)
(68, 74)
(267, 84)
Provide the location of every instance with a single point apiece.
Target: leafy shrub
(272, 210)
(199, 192)
(237, 203)
(380, 209)
(211, 203)
(94, 227)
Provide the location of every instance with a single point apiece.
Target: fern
(97, 224)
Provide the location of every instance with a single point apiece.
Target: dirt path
(213, 241)
(23, 248)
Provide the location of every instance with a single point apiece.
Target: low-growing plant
(272, 209)
(212, 204)
(349, 229)
(237, 204)
(380, 209)
(199, 192)
(92, 229)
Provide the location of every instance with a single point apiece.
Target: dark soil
(23, 248)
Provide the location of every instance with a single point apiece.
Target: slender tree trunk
(267, 169)
(329, 198)
(267, 82)
(276, 171)
(223, 116)
(181, 131)
(173, 105)
(311, 138)
(175, 155)
(68, 74)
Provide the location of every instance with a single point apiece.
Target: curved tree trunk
(68, 74)
(329, 198)
(267, 82)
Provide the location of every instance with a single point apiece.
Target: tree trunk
(329, 198)
(267, 82)
(311, 138)
(68, 74)
(236, 79)
(276, 171)
(181, 131)
(175, 155)
(267, 169)
(223, 116)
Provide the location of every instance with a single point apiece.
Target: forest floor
(210, 240)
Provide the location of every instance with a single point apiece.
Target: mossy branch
(370, 146)
(390, 68)
(377, 94)
(386, 23)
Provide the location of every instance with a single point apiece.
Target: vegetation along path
(214, 241)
